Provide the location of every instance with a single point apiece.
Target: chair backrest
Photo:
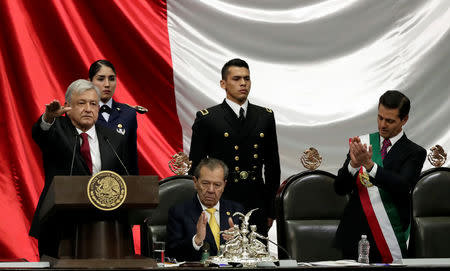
(308, 214)
(430, 233)
(172, 190)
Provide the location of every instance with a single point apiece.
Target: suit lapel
(196, 211)
(395, 152)
(224, 216)
(230, 117)
(105, 151)
(114, 112)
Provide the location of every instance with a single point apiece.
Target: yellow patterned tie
(213, 225)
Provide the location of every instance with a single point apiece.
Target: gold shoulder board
(204, 112)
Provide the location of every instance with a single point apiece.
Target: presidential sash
(380, 211)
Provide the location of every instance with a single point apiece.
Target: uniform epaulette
(138, 108)
(269, 110)
(204, 112)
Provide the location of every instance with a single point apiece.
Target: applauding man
(380, 171)
(195, 225)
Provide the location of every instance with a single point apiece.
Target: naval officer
(243, 135)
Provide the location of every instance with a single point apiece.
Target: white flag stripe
(321, 67)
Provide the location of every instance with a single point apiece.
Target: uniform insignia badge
(269, 110)
(120, 129)
(204, 112)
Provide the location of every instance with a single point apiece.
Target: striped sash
(380, 211)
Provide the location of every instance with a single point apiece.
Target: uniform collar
(108, 103)
(235, 107)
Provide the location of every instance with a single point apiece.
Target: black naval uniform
(245, 148)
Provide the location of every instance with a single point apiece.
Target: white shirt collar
(108, 103)
(392, 139)
(237, 107)
(91, 132)
(217, 206)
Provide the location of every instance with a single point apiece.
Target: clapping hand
(201, 229)
(360, 154)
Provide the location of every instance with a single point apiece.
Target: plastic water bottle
(363, 249)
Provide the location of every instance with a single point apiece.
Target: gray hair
(79, 86)
(211, 164)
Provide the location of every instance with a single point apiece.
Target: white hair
(79, 86)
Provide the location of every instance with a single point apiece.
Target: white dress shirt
(237, 107)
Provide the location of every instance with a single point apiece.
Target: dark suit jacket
(57, 146)
(398, 176)
(182, 226)
(218, 133)
(125, 116)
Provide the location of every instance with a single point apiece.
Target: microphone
(115, 153)
(73, 153)
(282, 248)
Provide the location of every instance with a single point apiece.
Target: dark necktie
(86, 150)
(241, 115)
(106, 109)
(386, 144)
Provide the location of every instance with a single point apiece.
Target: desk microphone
(282, 248)
(73, 153)
(115, 153)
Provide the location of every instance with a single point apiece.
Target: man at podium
(72, 144)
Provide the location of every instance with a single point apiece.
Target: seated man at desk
(193, 226)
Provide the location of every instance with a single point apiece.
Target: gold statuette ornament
(180, 164)
(107, 190)
(437, 156)
(311, 159)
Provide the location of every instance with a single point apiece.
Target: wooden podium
(90, 237)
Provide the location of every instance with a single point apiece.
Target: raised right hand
(54, 110)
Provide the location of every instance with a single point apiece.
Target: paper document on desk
(426, 262)
(338, 263)
(24, 264)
